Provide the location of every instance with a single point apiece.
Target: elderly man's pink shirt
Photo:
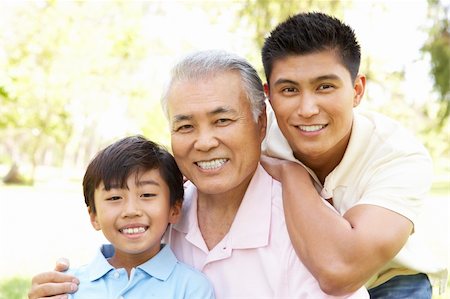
(256, 258)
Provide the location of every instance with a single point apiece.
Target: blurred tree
(261, 16)
(69, 81)
(438, 47)
(264, 15)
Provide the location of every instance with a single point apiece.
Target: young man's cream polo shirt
(383, 165)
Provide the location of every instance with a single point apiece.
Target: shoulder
(389, 132)
(195, 283)
(81, 272)
(190, 273)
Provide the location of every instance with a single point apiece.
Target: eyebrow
(147, 182)
(218, 110)
(314, 80)
(138, 183)
(326, 77)
(284, 81)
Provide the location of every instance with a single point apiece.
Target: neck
(129, 261)
(325, 163)
(216, 213)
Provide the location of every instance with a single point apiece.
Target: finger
(53, 276)
(52, 290)
(270, 159)
(65, 296)
(62, 264)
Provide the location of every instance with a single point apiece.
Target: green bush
(14, 288)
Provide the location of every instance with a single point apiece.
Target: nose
(132, 208)
(206, 140)
(307, 106)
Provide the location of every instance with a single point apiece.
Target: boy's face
(313, 97)
(135, 219)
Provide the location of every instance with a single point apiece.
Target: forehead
(205, 94)
(136, 177)
(309, 66)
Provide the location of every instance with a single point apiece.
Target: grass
(15, 288)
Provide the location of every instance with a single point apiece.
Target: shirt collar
(276, 145)
(251, 226)
(160, 266)
(362, 132)
(99, 265)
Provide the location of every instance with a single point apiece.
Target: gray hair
(203, 64)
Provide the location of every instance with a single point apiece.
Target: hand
(53, 284)
(273, 166)
(277, 167)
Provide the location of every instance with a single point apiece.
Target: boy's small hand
(53, 284)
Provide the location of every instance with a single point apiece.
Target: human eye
(289, 90)
(113, 198)
(223, 121)
(148, 195)
(185, 128)
(326, 87)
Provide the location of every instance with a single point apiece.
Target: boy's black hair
(114, 164)
(307, 33)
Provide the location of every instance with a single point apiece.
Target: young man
(133, 190)
(372, 171)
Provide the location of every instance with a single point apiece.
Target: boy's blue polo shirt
(163, 276)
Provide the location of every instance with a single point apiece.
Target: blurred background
(77, 75)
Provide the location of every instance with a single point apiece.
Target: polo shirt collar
(362, 132)
(276, 145)
(160, 266)
(99, 265)
(251, 225)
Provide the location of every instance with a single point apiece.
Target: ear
(175, 212)
(262, 123)
(266, 90)
(359, 88)
(94, 221)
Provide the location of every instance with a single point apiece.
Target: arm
(53, 284)
(342, 252)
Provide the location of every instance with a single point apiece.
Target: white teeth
(211, 164)
(134, 230)
(312, 128)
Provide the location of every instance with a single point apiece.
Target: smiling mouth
(133, 230)
(312, 128)
(212, 164)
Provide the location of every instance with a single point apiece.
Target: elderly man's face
(215, 140)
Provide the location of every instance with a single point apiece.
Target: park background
(77, 75)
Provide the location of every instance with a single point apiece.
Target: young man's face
(135, 218)
(215, 140)
(313, 97)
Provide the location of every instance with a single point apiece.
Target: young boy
(133, 190)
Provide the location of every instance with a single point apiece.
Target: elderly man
(233, 227)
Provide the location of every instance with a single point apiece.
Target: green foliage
(261, 16)
(438, 47)
(68, 78)
(264, 15)
(14, 288)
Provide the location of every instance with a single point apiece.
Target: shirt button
(117, 275)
